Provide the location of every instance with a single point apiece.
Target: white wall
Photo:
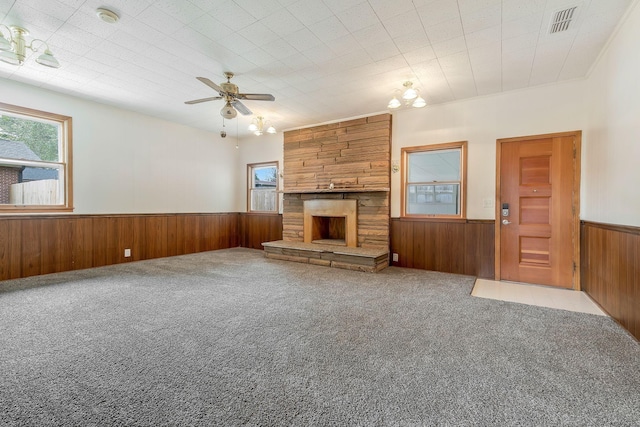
(481, 121)
(257, 149)
(612, 158)
(125, 162)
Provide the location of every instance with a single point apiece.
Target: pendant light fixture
(13, 47)
(259, 125)
(409, 97)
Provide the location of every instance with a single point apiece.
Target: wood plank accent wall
(610, 270)
(354, 154)
(33, 245)
(355, 157)
(461, 247)
(256, 228)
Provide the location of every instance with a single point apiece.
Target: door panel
(536, 239)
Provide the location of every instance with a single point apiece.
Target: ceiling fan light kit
(228, 112)
(410, 96)
(232, 96)
(13, 47)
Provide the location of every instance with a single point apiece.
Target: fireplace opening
(329, 230)
(331, 221)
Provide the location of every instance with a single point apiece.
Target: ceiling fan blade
(197, 101)
(211, 84)
(256, 96)
(242, 109)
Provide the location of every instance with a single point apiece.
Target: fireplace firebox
(331, 221)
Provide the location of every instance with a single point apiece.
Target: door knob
(506, 222)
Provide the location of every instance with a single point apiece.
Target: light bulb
(419, 102)
(394, 103)
(48, 60)
(228, 112)
(271, 129)
(253, 127)
(410, 92)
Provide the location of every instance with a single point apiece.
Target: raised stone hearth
(360, 259)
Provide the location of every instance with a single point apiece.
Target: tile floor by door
(543, 296)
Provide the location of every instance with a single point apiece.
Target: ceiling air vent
(562, 20)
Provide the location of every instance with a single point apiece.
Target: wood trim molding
(404, 154)
(629, 229)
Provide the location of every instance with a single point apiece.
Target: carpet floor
(231, 338)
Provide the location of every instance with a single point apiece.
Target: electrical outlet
(395, 257)
(127, 253)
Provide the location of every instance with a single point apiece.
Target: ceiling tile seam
(437, 57)
(52, 33)
(541, 32)
(566, 56)
(410, 66)
(464, 36)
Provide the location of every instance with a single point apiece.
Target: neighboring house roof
(38, 174)
(261, 183)
(16, 150)
(19, 151)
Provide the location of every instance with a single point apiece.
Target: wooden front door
(537, 239)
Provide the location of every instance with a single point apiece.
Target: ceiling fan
(229, 92)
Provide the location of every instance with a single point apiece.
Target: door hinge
(574, 267)
(574, 152)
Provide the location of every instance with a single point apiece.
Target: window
(263, 187)
(35, 160)
(433, 180)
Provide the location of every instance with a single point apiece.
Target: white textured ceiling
(322, 59)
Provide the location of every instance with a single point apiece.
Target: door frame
(575, 199)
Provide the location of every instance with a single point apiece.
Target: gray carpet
(231, 338)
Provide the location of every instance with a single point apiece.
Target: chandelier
(13, 47)
(258, 124)
(410, 97)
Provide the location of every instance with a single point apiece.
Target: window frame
(65, 159)
(406, 151)
(250, 182)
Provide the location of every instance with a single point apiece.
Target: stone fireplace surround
(345, 164)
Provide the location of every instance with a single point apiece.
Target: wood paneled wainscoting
(47, 244)
(610, 270)
(450, 246)
(256, 228)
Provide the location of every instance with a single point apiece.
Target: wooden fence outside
(43, 192)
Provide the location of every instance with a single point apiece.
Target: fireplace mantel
(337, 190)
